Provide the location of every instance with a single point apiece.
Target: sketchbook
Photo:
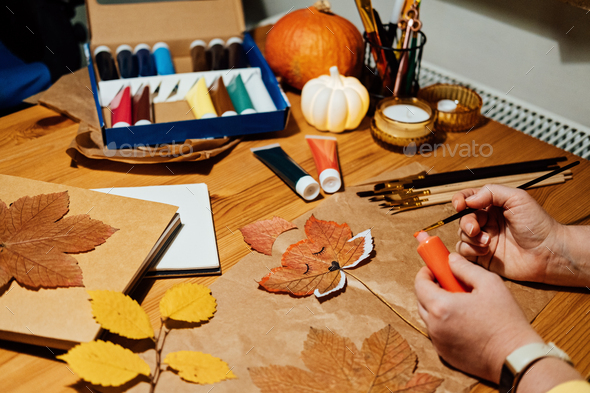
(62, 317)
(193, 251)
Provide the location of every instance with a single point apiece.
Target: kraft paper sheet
(253, 327)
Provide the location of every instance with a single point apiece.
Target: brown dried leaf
(314, 265)
(34, 238)
(261, 235)
(385, 364)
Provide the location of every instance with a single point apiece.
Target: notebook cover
(62, 317)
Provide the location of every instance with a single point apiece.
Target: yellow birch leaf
(199, 367)
(120, 314)
(188, 302)
(104, 363)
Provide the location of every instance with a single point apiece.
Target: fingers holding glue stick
(436, 256)
(472, 331)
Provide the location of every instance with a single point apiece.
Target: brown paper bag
(253, 327)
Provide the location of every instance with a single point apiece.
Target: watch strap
(522, 358)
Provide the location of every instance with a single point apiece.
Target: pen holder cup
(371, 79)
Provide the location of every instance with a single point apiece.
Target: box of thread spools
(165, 72)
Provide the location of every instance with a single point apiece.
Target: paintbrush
(365, 9)
(447, 196)
(522, 187)
(504, 180)
(437, 179)
(424, 180)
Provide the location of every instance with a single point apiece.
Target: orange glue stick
(436, 256)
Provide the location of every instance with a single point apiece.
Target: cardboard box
(178, 23)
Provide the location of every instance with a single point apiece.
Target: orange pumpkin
(304, 44)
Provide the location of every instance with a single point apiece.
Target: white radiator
(515, 113)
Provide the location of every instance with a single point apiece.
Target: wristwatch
(519, 361)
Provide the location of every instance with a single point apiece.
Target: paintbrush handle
(548, 175)
(448, 196)
(365, 9)
(438, 179)
(431, 200)
(522, 187)
(519, 179)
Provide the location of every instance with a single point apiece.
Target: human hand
(512, 236)
(475, 331)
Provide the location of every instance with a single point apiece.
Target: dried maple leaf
(385, 364)
(261, 235)
(34, 239)
(316, 263)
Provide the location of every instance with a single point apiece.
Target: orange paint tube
(325, 155)
(436, 256)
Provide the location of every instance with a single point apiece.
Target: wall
(538, 50)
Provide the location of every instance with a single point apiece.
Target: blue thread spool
(163, 59)
(144, 60)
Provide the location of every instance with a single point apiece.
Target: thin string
(388, 305)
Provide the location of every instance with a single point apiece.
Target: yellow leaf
(188, 302)
(120, 314)
(199, 367)
(104, 363)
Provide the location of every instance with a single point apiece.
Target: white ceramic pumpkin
(334, 102)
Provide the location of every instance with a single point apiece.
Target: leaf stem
(388, 305)
(158, 370)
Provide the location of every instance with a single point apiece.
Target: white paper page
(194, 246)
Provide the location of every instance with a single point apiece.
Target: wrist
(510, 343)
(566, 265)
(558, 254)
(545, 374)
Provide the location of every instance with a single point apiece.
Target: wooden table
(243, 190)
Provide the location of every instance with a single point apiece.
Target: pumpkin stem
(335, 76)
(323, 6)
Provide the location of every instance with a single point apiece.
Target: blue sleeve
(19, 80)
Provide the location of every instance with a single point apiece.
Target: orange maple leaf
(385, 364)
(315, 264)
(34, 239)
(261, 235)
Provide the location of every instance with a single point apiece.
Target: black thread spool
(105, 63)
(370, 76)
